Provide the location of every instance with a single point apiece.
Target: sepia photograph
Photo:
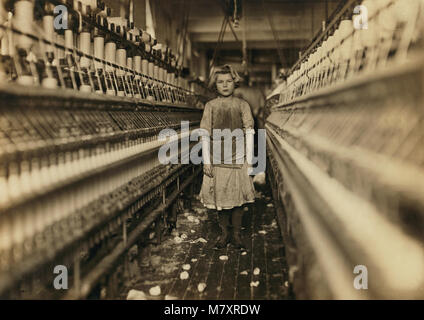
(235, 152)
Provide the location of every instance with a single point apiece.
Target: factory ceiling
(288, 24)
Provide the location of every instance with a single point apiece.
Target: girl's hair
(225, 69)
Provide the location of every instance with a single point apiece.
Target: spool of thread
(5, 235)
(121, 59)
(151, 70)
(145, 67)
(4, 196)
(330, 45)
(4, 51)
(22, 21)
(99, 50)
(164, 75)
(17, 234)
(110, 54)
(69, 39)
(3, 14)
(137, 64)
(130, 62)
(48, 26)
(346, 31)
(13, 181)
(156, 72)
(337, 41)
(160, 73)
(137, 69)
(369, 36)
(85, 46)
(61, 40)
(387, 22)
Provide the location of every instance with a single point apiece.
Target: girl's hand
(208, 170)
(249, 170)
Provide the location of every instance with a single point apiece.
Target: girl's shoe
(237, 243)
(222, 242)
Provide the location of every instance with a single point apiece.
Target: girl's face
(225, 84)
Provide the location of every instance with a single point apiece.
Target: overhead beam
(253, 36)
(213, 24)
(260, 45)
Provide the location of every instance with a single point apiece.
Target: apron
(226, 122)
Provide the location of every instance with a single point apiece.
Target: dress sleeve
(246, 114)
(206, 122)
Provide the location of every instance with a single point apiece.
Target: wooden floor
(234, 278)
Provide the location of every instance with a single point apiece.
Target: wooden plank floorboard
(224, 279)
(202, 267)
(259, 258)
(243, 290)
(215, 273)
(229, 275)
(277, 270)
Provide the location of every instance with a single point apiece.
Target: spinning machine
(84, 96)
(345, 140)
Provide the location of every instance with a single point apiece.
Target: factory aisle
(260, 273)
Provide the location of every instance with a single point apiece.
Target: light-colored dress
(231, 186)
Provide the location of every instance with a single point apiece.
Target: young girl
(227, 185)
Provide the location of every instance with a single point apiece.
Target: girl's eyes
(221, 82)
